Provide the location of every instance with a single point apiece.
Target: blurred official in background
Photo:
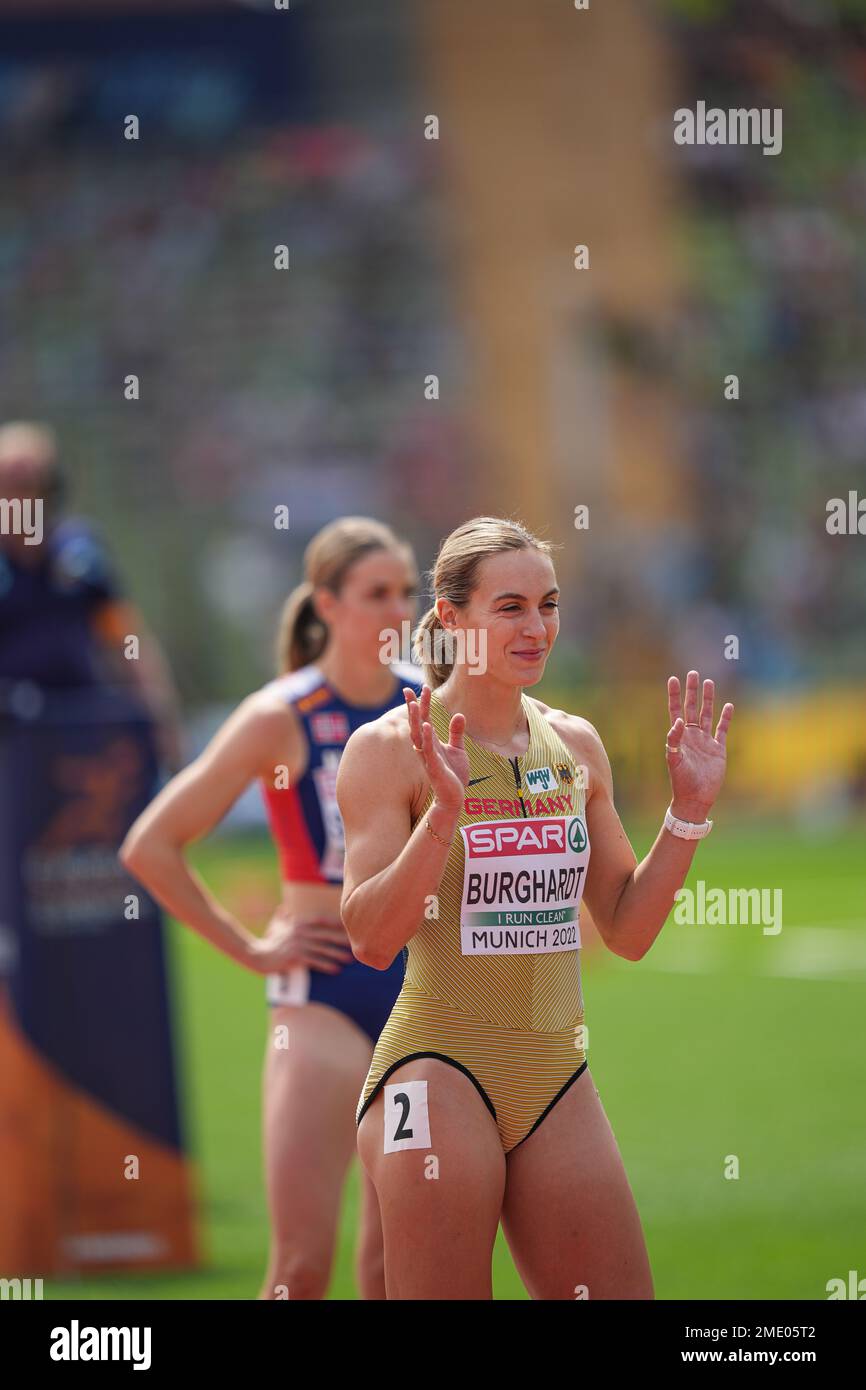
(63, 617)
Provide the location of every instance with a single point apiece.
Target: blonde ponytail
(301, 635)
(433, 652)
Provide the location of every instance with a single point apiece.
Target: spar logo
(516, 837)
(577, 835)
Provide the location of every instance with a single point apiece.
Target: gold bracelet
(446, 843)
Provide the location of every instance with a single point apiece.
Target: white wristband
(686, 829)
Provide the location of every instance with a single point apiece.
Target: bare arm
(113, 622)
(630, 902)
(193, 803)
(391, 870)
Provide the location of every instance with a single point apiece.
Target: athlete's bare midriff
(308, 899)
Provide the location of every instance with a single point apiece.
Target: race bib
(325, 779)
(522, 885)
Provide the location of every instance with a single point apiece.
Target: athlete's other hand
(318, 942)
(696, 757)
(446, 764)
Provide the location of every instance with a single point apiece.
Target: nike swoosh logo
(473, 781)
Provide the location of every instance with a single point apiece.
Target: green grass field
(722, 1041)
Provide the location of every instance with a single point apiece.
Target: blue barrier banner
(82, 967)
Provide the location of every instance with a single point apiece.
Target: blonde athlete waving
(475, 822)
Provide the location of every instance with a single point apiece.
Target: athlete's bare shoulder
(388, 736)
(268, 730)
(267, 701)
(270, 712)
(582, 739)
(380, 753)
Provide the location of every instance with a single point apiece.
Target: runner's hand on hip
(318, 942)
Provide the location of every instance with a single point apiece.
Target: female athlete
(327, 1007)
(494, 819)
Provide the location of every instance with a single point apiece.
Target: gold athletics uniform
(492, 983)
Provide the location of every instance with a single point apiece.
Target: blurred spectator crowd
(260, 387)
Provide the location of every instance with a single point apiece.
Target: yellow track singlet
(492, 980)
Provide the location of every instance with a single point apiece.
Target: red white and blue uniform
(308, 832)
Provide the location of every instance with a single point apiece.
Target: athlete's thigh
(440, 1196)
(370, 1221)
(315, 1063)
(569, 1215)
(370, 1247)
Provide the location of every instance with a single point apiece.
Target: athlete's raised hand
(695, 756)
(446, 764)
